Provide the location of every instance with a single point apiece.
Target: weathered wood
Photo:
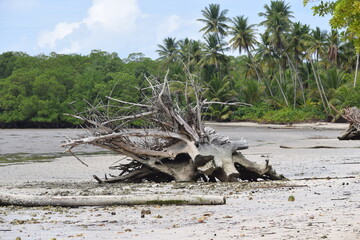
(353, 132)
(109, 200)
(174, 146)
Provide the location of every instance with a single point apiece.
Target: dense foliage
(36, 91)
(288, 73)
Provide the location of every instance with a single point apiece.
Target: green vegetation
(264, 113)
(288, 73)
(36, 91)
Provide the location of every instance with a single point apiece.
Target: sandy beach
(324, 194)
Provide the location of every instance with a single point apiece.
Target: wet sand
(326, 208)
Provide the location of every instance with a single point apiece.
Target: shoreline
(315, 124)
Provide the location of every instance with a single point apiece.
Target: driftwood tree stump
(173, 144)
(353, 132)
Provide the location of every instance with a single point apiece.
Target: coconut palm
(265, 56)
(277, 22)
(213, 52)
(299, 39)
(244, 38)
(243, 35)
(248, 67)
(219, 90)
(317, 43)
(169, 50)
(333, 44)
(346, 56)
(265, 51)
(252, 91)
(269, 60)
(215, 21)
(333, 79)
(190, 52)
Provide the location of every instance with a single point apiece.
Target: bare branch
(129, 103)
(82, 162)
(227, 103)
(140, 115)
(99, 125)
(160, 134)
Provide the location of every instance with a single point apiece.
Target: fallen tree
(173, 143)
(108, 200)
(353, 132)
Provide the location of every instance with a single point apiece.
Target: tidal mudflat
(321, 200)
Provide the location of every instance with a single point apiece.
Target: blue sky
(122, 26)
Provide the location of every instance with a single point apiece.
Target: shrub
(264, 113)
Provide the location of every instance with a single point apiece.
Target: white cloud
(169, 26)
(104, 17)
(63, 29)
(113, 15)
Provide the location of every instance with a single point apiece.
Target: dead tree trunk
(173, 145)
(353, 132)
(108, 200)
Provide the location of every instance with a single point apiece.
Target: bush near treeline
(288, 73)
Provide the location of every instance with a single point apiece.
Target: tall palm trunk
(320, 89)
(261, 71)
(356, 69)
(296, 80)
(218, 38)
(282, 91)
(253, 63)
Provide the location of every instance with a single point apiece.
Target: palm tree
(212, 52)
(277, 22)
(252, 91)
(215, 21)
(356, 68)
(265, 51)
(248, 67)
(268, 58)
(169, 50)
(190, 52)
(243, 38)
(317, 43)
(243, 34)
(219, 90)
(299, 40)
(333, 43)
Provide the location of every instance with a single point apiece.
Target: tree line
(287, 73)
(36, 91)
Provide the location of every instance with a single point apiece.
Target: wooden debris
(353, 132)
(109, 200)
(172, 146)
